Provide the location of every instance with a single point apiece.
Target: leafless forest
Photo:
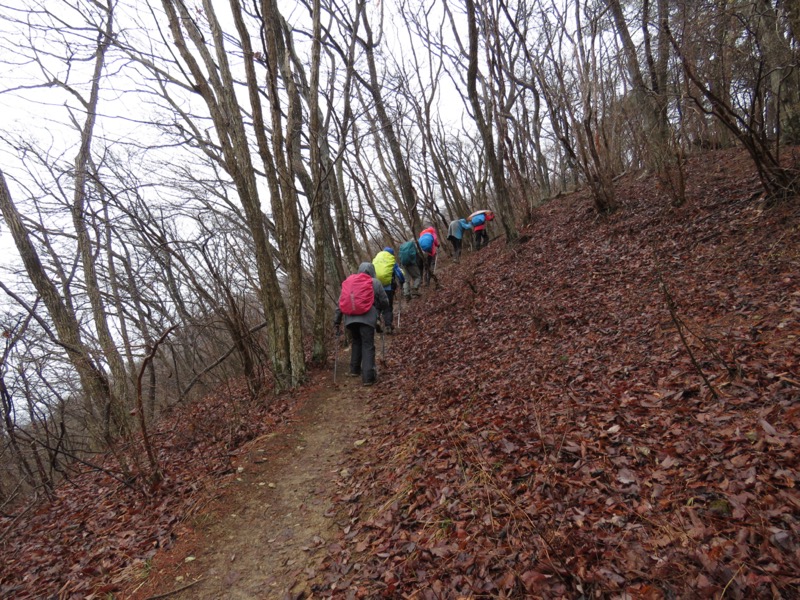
(186, 184)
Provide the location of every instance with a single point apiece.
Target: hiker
(455, 232)
(360, 303)
(411, 261)
(389, 274)
(479, 219)
(428, 243)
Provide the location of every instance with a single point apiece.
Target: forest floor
(265, 533)
(608, 408)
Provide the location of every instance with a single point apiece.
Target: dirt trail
(270, 526)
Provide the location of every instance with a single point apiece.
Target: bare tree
(216, 87)
(750, 114)
(94, 381)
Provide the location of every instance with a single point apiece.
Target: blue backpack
(426, 242)
(479, 219)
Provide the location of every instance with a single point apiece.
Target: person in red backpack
(361, 325)
(479, 221)
(428, 242)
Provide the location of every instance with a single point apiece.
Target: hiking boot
(372, 378)
(389, 330)
(354, 374)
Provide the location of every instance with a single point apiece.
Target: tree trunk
(286, 151)
(219, 96)
(93, 381)
(374, 88)
(485, 129)
(319, 352)
(119, 379)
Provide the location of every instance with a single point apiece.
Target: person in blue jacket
(479, 222)
(455, 233)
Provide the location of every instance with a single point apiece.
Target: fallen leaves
(97, 534)
(548, 435)
(543, 434)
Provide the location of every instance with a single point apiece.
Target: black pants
(362, 356)
(388, 314)
(456, 246)
(481, 238)
(427, 270)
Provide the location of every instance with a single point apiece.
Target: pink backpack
(357, 295)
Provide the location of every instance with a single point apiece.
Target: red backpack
(357, 295)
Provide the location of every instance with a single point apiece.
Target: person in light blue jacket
(455, 233)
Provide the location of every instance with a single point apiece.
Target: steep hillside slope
(611, 406)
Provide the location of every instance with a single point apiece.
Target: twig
(175, 591)
(727, 585)
(218, 361)
(680, 326)
(789, 381)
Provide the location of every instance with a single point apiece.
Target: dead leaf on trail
(508, 447)
(441, 551)
(669, 462)
(626, 476)
(767, 427)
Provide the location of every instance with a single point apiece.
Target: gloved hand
(337, 326)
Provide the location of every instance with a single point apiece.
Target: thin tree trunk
(93, 381)
(484, 128)
(374, 88)
(119, 379)
(319, 352)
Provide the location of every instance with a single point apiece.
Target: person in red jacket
(479, 221)
(428, 243)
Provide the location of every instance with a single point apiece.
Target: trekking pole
(383, 345)
(336, 354)
(399, 308)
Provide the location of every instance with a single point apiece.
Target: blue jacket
(397, 275)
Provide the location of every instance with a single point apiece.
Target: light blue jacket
(457, 228)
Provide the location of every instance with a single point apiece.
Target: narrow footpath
(266, 532)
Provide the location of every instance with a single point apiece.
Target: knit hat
(389, 250)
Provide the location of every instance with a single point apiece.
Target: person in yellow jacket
(389, 274)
